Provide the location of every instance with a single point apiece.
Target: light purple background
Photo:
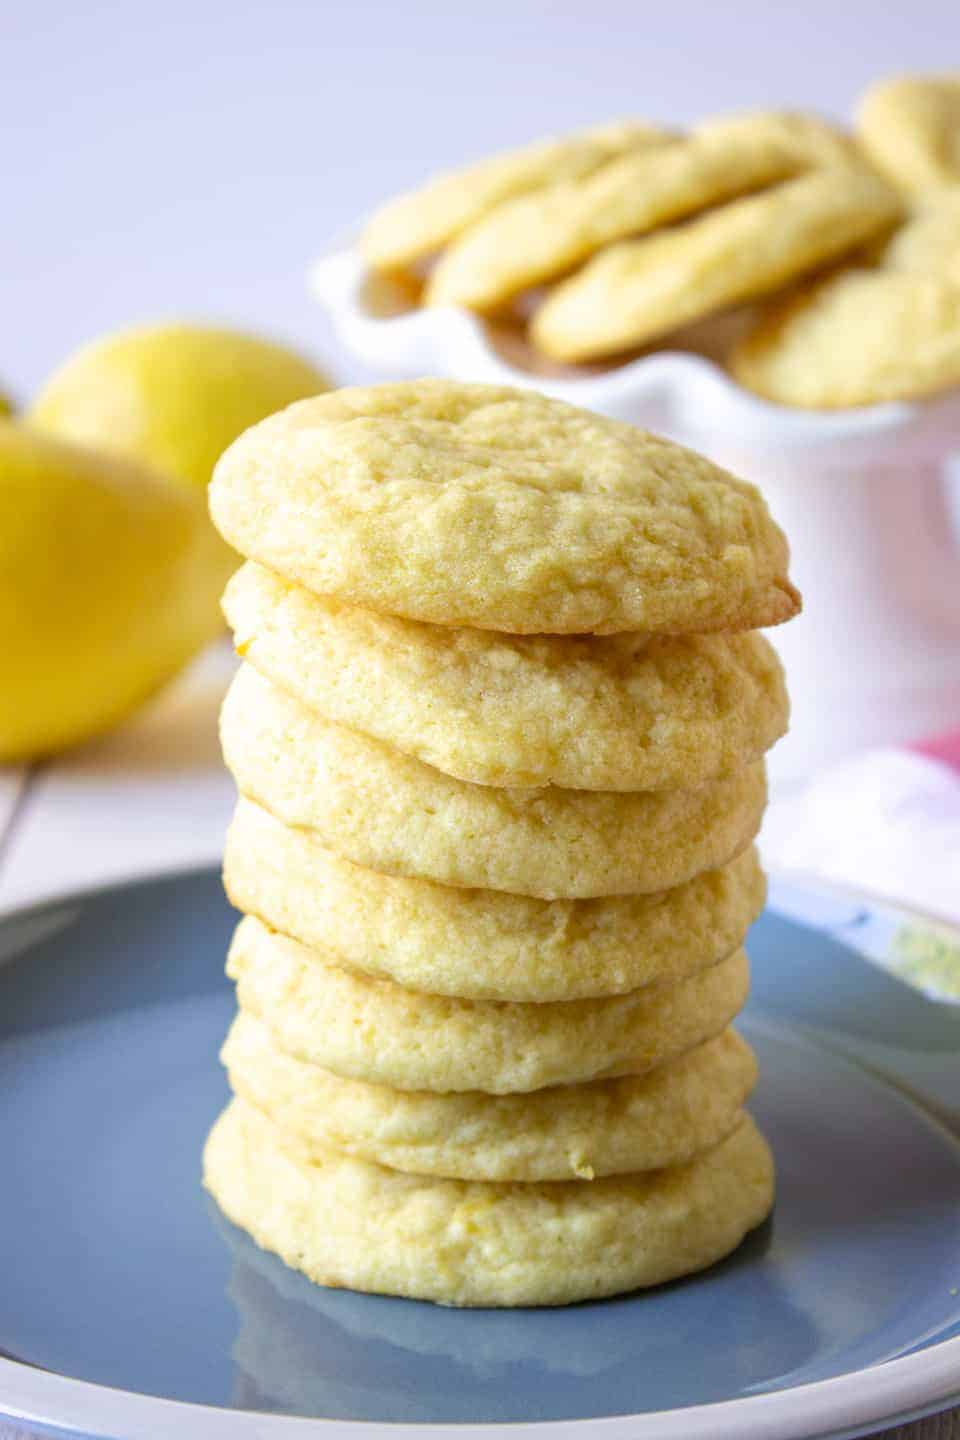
(189, 157)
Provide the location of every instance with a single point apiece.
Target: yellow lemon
(173, 395)
(6, 404)
(106, 588)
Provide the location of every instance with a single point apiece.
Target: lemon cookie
(859, 337)
(484, 944)
(371, 1029)
(639, 290)
(911, 128)
(609, 1127)
(388, 811)
(623, 712)
(930, 243)
(501, 509)
(348, 1222)
(539, 236)
(415, 225)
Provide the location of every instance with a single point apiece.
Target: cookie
(623, 712)
(608, 1127)
(390, 812)
(371, 1029)
(929, 244)
(501, 509)
(639, 290)
(414, 226)
(859, 337)
(348, 1222)
(910, 126)
(539, 236)
(483, 944)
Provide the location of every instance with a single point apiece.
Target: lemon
(173, 395)
(6, 404)
(106, 589)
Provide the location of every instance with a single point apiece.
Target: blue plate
(116, 1271)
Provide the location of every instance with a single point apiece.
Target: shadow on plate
(302, 1349)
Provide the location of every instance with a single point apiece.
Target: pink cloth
(945, 748)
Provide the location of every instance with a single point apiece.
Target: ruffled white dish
(869, 498)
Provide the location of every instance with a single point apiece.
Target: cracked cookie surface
(567, 1132)
(390, 812)
(366, 1028)
(620, 712)
(500, 509)
(483, 944)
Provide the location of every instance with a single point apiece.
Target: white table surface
(153, 796)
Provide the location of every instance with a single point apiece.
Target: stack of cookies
(499, 743)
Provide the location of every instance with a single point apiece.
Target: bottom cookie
(347, 1222)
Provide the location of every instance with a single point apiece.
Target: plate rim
(887, 1393)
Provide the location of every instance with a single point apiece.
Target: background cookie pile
(499, 744)
(832, 257)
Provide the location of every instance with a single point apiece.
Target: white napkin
(886, 822)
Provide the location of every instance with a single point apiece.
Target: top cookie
(497, 508)
(415, 225)
(911, 128)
